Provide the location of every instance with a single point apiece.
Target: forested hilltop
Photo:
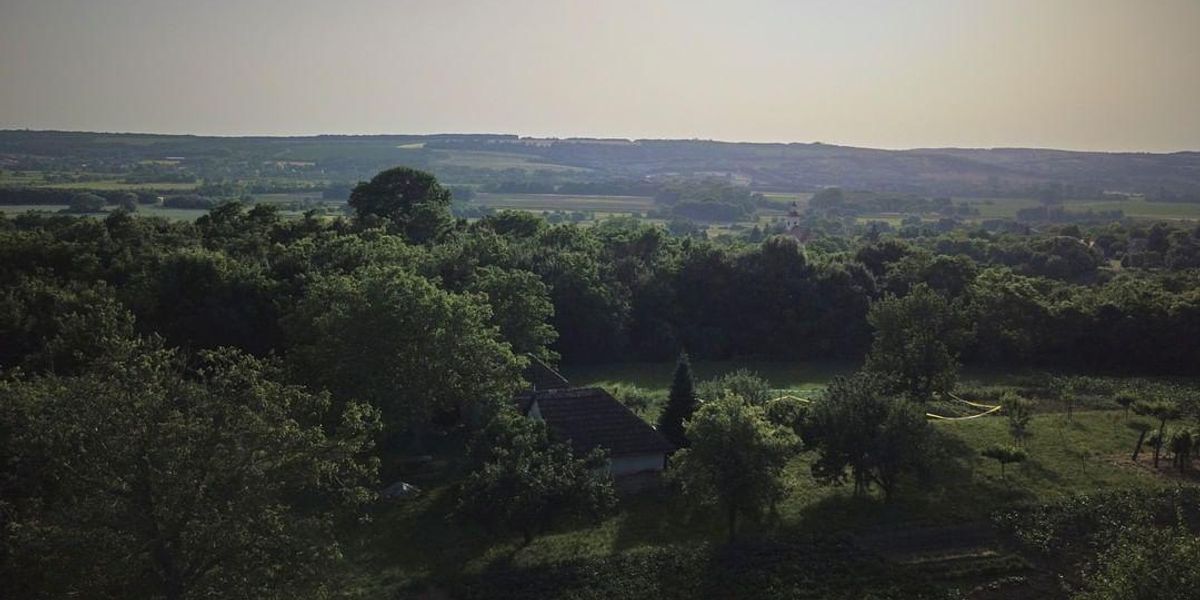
(209, 408)
(548, 163)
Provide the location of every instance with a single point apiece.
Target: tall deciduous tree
(524, 481)
(415, 203)
(862, 435)
(386, 336)
(917, 338)
(736, 458)
(521, 308)
(681, 403)
(142, 478)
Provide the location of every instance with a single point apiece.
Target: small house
(589, 418)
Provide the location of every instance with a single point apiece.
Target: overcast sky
(1087, 74)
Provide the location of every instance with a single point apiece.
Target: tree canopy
(735, 460)
(145, 477)
(417, 206)
(917, 339)
(860, 434)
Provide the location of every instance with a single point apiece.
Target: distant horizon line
(593, 138)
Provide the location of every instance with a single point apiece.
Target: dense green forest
(207, 409)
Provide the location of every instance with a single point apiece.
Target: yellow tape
(791, 397)
(982, 414)
(990, 408)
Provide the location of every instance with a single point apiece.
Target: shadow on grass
(661, 515)
(420, 535)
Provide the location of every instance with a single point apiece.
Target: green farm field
(17, 209)
(115, 185)
(1000, 208)
(20, 178)
(540, 202)
(1143, 209)
(499, 161)
(175, 214)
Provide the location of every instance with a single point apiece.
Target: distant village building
(589, 418)
(793, 224)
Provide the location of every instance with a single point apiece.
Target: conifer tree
(681, 403)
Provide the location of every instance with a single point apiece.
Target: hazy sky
(1089, 74)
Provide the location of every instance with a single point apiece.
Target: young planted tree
(1182, 442)
(1163, 411)
(681, 403)
(525, 482)
(736, 459)
(863, 435)
(1142, 428)
(1066, 393)
(917, 339)
(1019, 412)
(1126, 401)
(1005, 455)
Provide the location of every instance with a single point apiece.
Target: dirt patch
(1145, 464)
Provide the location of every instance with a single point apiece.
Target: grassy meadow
(414, 546)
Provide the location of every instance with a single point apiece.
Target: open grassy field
(20, 178)
(540, 202)
(1006, 208)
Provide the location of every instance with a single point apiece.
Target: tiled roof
(542, 376)
(590, 418)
